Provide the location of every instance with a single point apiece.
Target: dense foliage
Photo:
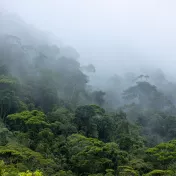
(53, 124)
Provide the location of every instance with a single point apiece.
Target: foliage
(163, 154)
(103, 156)
(54, 122)
(159, 172)
(26, 120)
(126, 170)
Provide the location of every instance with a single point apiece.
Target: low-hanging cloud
(112, 34)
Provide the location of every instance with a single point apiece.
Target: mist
(115, 36)
(87, 87)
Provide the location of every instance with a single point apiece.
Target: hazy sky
(123, 33)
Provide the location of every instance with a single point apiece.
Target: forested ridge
(53, 122)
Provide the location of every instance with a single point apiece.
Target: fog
(114, 35)
(89, 66)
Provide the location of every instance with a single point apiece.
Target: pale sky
(118, 34)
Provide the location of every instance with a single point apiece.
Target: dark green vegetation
(52, 123)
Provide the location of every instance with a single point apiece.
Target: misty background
(116, 36)
(101, 69)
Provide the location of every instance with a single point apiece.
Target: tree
(62, 121)
(16, 154)
(159, 172)
(146, 95)
(98, 97)
(9, 101)
(89, 68)
(89, 155)
(28, 173)
(163, 154)
(26, 120)
(64, 173)
(85, 118)
(127, 171)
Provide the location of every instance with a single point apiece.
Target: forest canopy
(55, 122)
